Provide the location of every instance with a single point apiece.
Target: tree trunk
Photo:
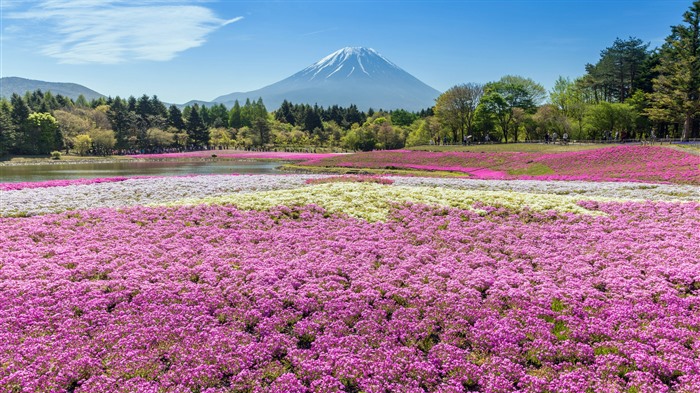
(687, 124)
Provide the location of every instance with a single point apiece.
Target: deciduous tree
(456, 108)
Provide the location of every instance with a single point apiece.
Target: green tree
(43, 130)
(158, 138)
(456, 108)
(284, 113)
(220, 137)
(82, 102)
(569, 98)
(103, 141)
(234, 116)
(175, 119)
(83, 144)
(7, 128)
(118, 116)
(510, 92)
(676, 95)
(402, 118)
(613, 117)
(197, 132)
(19, 115)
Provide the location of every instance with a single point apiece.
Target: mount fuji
(352, 75)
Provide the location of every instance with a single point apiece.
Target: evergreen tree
(19, 116)
(7, 128)
(118, 116)
(676, 96)
(175, 118)
(82, 102)
(311, 120)
(158, 108)
(131, 104)
(196, 130)
(284, 113)
(353, 115)
(234, 116)
(247, 113)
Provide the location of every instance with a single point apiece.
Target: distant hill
(10, 85)
(359, 76)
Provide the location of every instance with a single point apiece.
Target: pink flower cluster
(214, 299)
(618, 163)
(286, 156)
(58, 183)
(351, 178)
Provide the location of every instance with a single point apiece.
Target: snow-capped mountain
(352, 75)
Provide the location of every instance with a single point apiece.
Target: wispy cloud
(116, 31)
(319, 31)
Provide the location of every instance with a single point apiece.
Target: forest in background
(632, 92)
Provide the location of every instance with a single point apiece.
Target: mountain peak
(349, 62)
(351, 75)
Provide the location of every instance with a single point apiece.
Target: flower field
(619, 163)
(317, 283)
(239, 155)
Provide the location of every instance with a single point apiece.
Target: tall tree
(20, 115)
(118, 116)
(619, 71)
(510, 92)
(7, 128)
(175, 118)
(43, 131)
(196, 130)
(455, 108)
(234, 116)
(284, 113)
(676, 95)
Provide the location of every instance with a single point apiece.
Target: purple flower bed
(58, 183)
(286, 156)
(214, 299)
(618, 163)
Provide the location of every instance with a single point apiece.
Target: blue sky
(182, 50)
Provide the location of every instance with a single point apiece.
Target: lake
(24, 173)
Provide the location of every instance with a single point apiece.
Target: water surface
(26, 173)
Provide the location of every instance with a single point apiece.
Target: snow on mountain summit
(351, 75)
(350, 62)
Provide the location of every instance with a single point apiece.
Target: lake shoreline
(49, 161)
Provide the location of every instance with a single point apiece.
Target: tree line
(631, 92)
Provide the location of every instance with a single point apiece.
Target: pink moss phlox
(286, 156)
(59, 183)
(211, 298)
(617, 163)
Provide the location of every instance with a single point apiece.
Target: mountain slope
(9, 85)
(359, 76)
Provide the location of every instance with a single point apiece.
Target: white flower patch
(373, 202)
(139, 192)
(585, 190)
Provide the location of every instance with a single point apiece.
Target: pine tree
(676, 95)
(7, 128)
(196, 130)
(175, 118)
(119, 118)
(234, 116)
(284, 113)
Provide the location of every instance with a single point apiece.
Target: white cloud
(116, 31)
